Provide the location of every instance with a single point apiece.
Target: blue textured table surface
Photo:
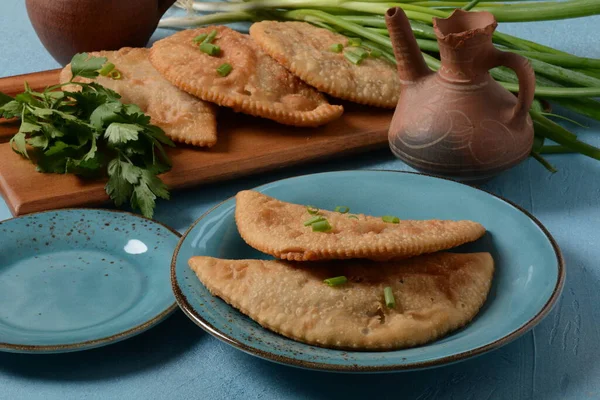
(559, 359)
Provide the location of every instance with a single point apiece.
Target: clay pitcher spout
(411, 65)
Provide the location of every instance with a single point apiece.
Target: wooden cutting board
(246, 145)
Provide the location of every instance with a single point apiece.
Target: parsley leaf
(11, 109)
(87, 101)
(56, 148)
(40, 141)
(53, 96)
(40, 112)
(105, 114)
(118, 133)
(51, 131)
(56, 164)
(118, 187)
(155, 184)
(146, 191)
(28, 127)
(84, 167)
(110, 94)
(160, 135)
(134, 115)
(91, 154)
(144, 199)
(4, 98)
(131, 173)
(17, 143)
(85, 66)
(90, 133)
(29, 98)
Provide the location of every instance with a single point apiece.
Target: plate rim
(93, 343)
(191, 313)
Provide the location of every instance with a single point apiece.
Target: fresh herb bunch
(92, 134)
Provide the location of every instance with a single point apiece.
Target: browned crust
(321, 115)
(324, 248)
(314, 80)
(176, 74)
(374, 253)
(462, 280)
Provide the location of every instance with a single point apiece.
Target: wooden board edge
(18, 206)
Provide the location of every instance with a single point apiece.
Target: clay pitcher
(459, 122)
(67, 27)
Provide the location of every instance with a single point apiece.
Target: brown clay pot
(67, 27)
(459, 122)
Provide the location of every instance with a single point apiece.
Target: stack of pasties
(435, 292)
(256, 85)
(280, 72)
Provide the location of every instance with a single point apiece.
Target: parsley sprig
(92, 134)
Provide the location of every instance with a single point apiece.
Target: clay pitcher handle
(163, 6)
(526, 77)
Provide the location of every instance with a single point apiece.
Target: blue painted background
(560, 359)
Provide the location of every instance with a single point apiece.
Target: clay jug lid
(464, 26)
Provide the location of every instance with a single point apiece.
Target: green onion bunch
(569, 81)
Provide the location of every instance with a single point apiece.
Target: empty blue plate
(528, 279)
(76, 279)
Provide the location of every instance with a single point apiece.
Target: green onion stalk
(565, 79)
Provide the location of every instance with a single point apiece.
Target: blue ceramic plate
(76, 279)
(528, 280)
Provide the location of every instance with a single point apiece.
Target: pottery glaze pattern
(82, 278)
(459, 122)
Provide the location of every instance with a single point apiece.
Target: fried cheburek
(305, 50)
(184, 118)
(256, 84)
(277, 228)
(434, 295)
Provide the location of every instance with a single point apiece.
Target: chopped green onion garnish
(354, 41)
(336, 48)
(352, 216)
(342, 209)
(355, 55)
(375, 53)
(200, 38)
(360, 51)
(106, 69)
(316, 218)
(321, 226)
(353, 58)
(391, 219)
(224, 69)
(338, 280)
(115, 74)
(390, 302)
(210, 49)
(211, 36)
(312, 210)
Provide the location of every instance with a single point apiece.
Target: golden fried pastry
(256, 84)
(278, 228)
(434, 294)
(305, 50)
(184, 118)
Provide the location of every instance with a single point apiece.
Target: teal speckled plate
(528, 279)
(81, 278)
